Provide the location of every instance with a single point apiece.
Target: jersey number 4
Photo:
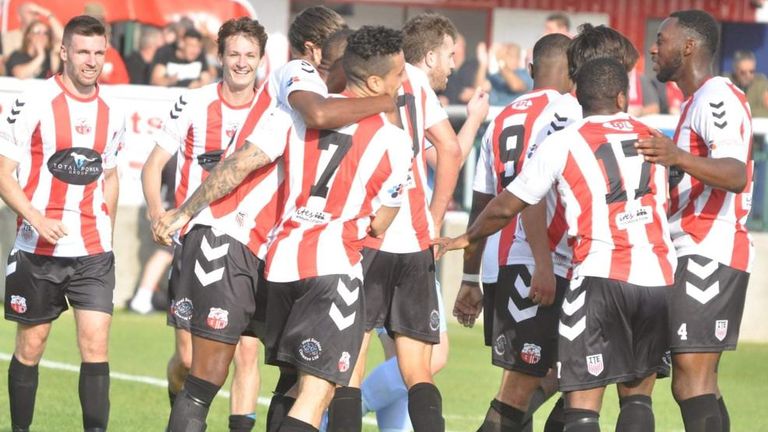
(616, 190)
(343, 143)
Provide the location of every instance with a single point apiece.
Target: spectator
(754, 84)
(461, 83)
(643, 98)
(558, 23)
(28, 13)
(183, 64)
(34, 59)
(139, 63)
(510, 81)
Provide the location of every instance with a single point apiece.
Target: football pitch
(141, 345)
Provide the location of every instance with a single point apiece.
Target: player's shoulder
(717, 92)
(394, 138)
(292, 69)
(416, 78)
(41, 93)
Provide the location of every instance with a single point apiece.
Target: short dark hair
(549, 46)
(561, 19)
(599, 81)
(250, 28)
(368, 51)
(596, 42)
(314, 24)
(193, 33)
(336, 43)
(702, 25)
(83, 25)
(424, 33)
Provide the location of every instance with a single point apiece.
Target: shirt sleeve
(16, 128)
(115, 144)
(272, 132)
(541, 172)
(399, 153)
(484, 172)
(299, 75)
(722, 122)
(176, 126)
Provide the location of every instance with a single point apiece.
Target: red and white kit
(413, 227)
(335, 182)
(614, 201)
(510, 140)
(715, 122)
(63, 143)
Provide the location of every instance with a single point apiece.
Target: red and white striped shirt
(716, 122)
(413, 227)
(63, 143)
(335, 182)
(250, 212)
(520, 128)
(615, 201)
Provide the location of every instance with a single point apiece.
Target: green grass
(141, 346)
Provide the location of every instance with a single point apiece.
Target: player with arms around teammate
(710, 197)
(532, 278)
(202, 127)
(611, 326)
(60, 140)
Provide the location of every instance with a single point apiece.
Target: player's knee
(93, 351)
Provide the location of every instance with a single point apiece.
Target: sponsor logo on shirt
(310, 349)
(619, 125)
(78, 166)
(642, 215)
(82, 127)
(522, 105)
(317, 217)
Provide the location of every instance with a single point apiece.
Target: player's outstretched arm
(151, 181)
(227, 174)
(723, 173)
(449, 161)
(543, 279)
(51, 230)
(477, 111)
(320, 112)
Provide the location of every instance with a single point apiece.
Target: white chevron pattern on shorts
(702, 295)
(573, 332)
(339, 319)
(569, 308)
(521, 314)
(207, 278)
(213, 253)
(702, 271)
(348, 296)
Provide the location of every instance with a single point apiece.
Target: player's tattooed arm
(227, 175)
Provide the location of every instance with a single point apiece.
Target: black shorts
(611, 332)
(489, 296)
(226, 284)
(400, 294)
(38, 287)
(706, 305)
(180, 305)
(316, 325)
(524, 333)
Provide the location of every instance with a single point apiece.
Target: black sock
(701, 414)
(171, 397)
(22, 387)
(278, 410)
(94, 395)
(636, 414)
(502, 418)
(556, 419)
(425, 406)
(581, 420)
(291, 424)
(191, 407)
(724, 417)
(344, 412)
(241, 423)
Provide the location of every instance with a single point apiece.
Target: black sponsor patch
(209, 160)
(77, 166)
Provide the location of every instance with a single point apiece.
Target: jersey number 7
(343, 143)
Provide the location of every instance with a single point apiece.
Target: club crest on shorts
(434, 320)
(595, 364)
(182, 309)
(531, 353)
(721, 329)
(344, 362)
(501, 345)
(217, 318)
(18, 304)
(310, 349)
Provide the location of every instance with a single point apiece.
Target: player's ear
(430, 59)
(531, 69)
(622, 102)
(375, 84)
(63, 53)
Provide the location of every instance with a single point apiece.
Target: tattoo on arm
(225, 177)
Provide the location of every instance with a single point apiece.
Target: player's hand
(543, 286)
(153, 215)
(169, 223)
(469, 303)
(445, 244)
(51, 230)
(481, 52)
(478, 104)
(659, 149)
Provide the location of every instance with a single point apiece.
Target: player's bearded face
(240, 61)
(83, 58)
(443, 64)
(667, 52)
